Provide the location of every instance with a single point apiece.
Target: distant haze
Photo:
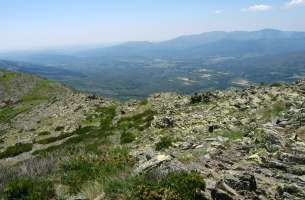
(35, 24)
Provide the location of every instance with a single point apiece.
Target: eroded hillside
(233, 144)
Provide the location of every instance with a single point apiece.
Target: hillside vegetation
(232, 144)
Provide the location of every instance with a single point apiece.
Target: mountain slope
(48, 72)
(233, 144)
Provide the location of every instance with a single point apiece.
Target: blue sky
(29, 24)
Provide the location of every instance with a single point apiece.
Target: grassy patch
(29, 189)
(92, 136)
(143, 102)
(40, 92)
(129, 126)
(9, 112)
(274, 110)
(43, 133)
(192, 156)
(15, 150)
(232, 134)
(53, 139)
(127, 137)
(59, 128)
(7, 76)
(277, 84)
(164, 143)
(140, 121)
(175, 185)
(82, 169)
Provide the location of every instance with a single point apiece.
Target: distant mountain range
(137, 69)
(218, 43)
(240, 43)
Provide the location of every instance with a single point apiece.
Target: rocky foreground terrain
(56, 143)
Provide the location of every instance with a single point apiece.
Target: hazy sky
(42, 23)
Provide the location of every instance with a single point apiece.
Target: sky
(32, 24)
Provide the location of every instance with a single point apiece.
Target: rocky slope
(233, 144)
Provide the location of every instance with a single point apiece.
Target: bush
(144, 102)
(274, 110)
(178, 185)
(231, 134)
(277, 84)
(140, 121)
(164, 143)
(29, 189)
(13, 151)
(43, 133)
(81, 169)
(196, 98)
(54, 139)
(77, 171)
(127, 137)
(59, 128)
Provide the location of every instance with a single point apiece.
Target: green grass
(7, 76)
(41, 91)
(127, 137)
(232, 134)
(175, 185)
(143, 102)
(274, 110)
(139, 121)
(90, 135)
(15, 150)
(43, 133)
(277, 84)
(92, 156)
(81, 169)
(9, 112)
(59, 128)
(164, 143)
(29, 189)
(130, 126)
(53, 139)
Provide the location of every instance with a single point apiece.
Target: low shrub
(53, 139)
(79, 170)
(232, 134)
(274, 110)
(177, 185)
(127, 137)
(140, 121)
(43, 133)
(277, 84)
(29, 189)
(164, 143)
(143, 102)
(15, 150)
(59, 128)
(196, 98)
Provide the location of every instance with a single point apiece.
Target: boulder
(241, 182)
(164, 122)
